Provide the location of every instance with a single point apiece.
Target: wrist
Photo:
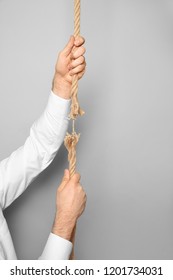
(63, 226)
(61, 87)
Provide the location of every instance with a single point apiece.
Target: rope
(70, 143)
(72, 139)
(75, 107)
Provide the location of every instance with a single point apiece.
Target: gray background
(125, 154)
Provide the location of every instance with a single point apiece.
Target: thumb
(66, 176)
(68, 48)
(65, 179)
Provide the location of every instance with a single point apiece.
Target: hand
(70, 203)
(70, 62)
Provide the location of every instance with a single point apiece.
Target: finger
(76, 178)
(79, 41)
(78, 52)
(77, 62)
(77, 69)
(66, 176)
(68, 48)
(80, 75)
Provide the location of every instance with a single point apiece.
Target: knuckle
(82, 59)
(80, 40)
(83, 49)
(80, 68)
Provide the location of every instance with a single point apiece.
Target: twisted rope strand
(75, 107)
(76, 18)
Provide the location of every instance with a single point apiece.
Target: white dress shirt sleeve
(56, 248)
(24, 165)
(46, 136)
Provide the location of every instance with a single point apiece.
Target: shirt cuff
(56, 248)
(57, 106)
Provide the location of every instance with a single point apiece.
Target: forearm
(63, 226)
(59, 245)
(61, 87)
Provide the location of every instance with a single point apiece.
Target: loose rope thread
(71, 140)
